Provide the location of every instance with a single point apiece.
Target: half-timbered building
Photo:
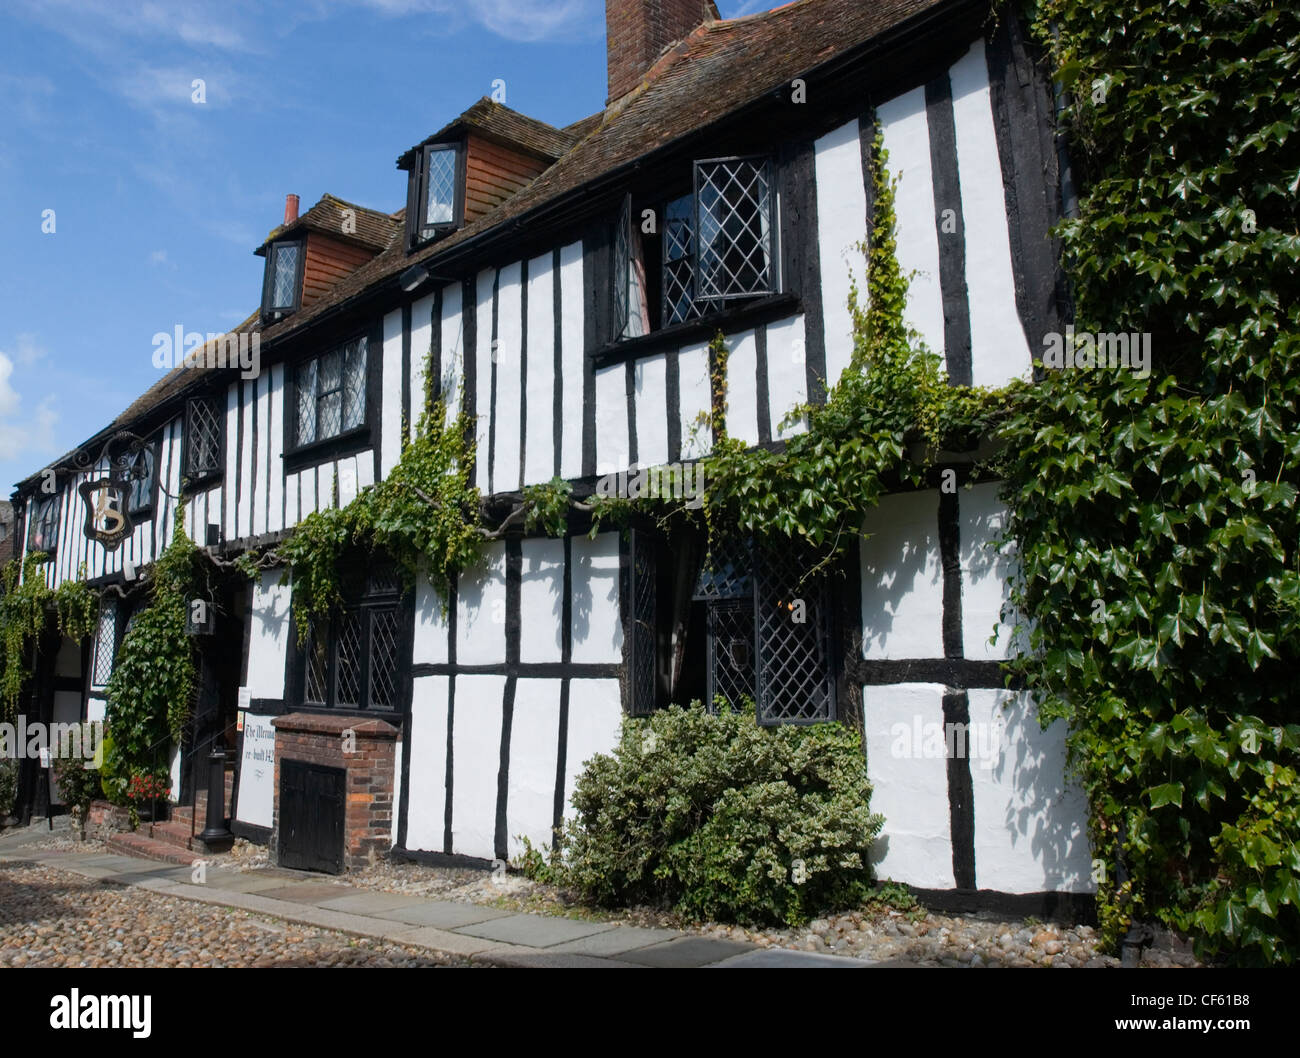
(522, 281)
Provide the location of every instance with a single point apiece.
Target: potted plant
(144, 790)
(79, 786)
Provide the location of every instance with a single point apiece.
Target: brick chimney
(638, 31)
(290, 209)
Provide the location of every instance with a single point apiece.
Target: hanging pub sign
(107, 520)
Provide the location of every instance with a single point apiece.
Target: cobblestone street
(50, 917)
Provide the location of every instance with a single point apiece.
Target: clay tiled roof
(374, 229)
(718, 69)
(498, 121)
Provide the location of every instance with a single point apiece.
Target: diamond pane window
(284, 276)
(351, 661)
(105, 644)
(332, 393)
(440, 184)
(641, 639)
(768, 632)
(734, 229)
(202, 437)
(142, 473)
(679, 302)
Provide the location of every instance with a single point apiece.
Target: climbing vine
(152, 686)
(26, 604)
(1155, 516)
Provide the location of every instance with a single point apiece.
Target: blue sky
(159, 201)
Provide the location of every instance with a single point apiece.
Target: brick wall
(370, 769)
(637, 31)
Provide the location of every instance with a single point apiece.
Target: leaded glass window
(105, 644)
(679, 302)
(43, 525)
(142, 477)
(284, 276)
(734, 228)
(351, 660)
(440, 187)
(202, 437)
(331, 393)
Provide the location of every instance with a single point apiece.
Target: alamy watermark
(182, 348)
(1085, 351)
(47, 742)
(673, 481)
(976, 741)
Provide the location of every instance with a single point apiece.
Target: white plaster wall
(268, 637)
(597, 627)
(244, 502)
(1030, 825)
(481, 610)
(572, 356)
(232, 457)
(841, 225)
(452, 349)
(390, 436)
(96, 709)
(595, 718)
(651, 402)
(984, 572)
(694, 396)
(427, 790)
(539, 442)
(421, 346)
(483, 372)
(907, 139)
(476, 757)
(262, 487)
(534, 744)
(787, 373)
(274, 438)
(910, 791)
(902, 578)
(174, 782)
(541, 600)
(999, 349)
(611, 419)
(742, 387)
(431, 625)
(505, 464)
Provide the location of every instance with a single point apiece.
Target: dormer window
(439, 195)
(283, 284)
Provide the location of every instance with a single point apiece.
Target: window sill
(748, 314)
(317, 452)
(202, 482)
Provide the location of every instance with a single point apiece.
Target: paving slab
(783, 957)
(616, 941)
(445, 914)
(241, 883)
(455, 943)
(534, 931)
(307, 892)
(687, 951)
(370, 902)
(550, 959)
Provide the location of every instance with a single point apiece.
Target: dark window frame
(53, 519)
(277, 312)
(116, 619)
(773, 271)
(344, 441)
(418, 233)
(142, 511)
(192, 480)
(366, 605)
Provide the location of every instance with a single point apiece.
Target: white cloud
(19, 435)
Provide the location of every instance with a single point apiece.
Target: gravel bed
(50, 917)
(879, 934)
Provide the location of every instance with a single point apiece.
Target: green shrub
(78, 786)
(113, 773)
(718, 818)
(8, 786)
